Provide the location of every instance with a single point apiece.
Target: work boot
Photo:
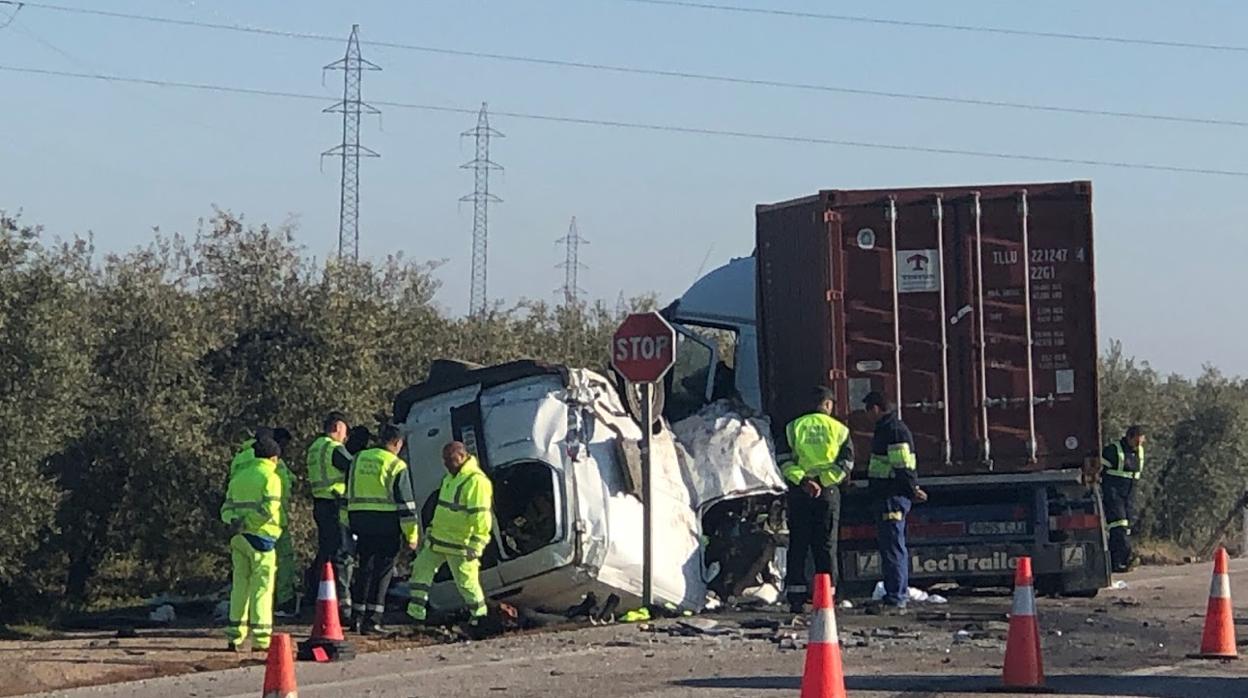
(235, 649)
(290, 609)
(373, 626)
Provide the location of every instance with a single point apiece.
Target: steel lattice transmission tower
(352, 107)
(571, 265)
(481, 199)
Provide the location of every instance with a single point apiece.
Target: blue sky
(116, 160)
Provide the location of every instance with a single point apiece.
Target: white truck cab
(716, 326)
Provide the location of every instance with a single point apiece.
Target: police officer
(252, 509)
(383, 516)
(328, 465)
(458, 535)
(822, 458)
(892, 484)
(1121, 463)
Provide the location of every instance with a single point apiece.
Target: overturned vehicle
(562, 451)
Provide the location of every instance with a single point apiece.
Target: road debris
(914, 595)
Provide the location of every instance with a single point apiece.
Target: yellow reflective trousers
(251, 596)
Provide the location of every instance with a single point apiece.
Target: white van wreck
(562, 452)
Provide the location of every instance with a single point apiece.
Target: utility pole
(351, 107)
(571, 265)
(481, 199)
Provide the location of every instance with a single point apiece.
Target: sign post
(643, 350)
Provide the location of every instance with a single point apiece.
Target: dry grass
(1162, 552)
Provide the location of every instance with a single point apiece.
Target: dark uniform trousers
(378, 545)
(333, 545)
(1116, 495)
(814, 524)
(891, 536)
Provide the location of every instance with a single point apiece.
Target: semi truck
(973, 308)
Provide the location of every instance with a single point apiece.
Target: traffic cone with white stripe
(1218, 641)
(279, 670)
(823, 676)
(1024, 665)
(327, 626)
(326, 641)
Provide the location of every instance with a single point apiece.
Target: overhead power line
(664, 128)
(914, 24)
(670, 73)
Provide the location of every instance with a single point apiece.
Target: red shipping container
(983, 296)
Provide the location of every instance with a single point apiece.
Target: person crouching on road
(461, 528)
(1123, 461)
(383, 517)
(252, 509)
(328, 465)
(893, 485)
(823, 456)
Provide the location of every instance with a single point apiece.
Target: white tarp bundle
(726, 453)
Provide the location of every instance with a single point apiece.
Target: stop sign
(643, 348)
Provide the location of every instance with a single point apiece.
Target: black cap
(875, 399)
(266, 447)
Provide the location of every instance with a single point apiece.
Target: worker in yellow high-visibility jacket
(822, 458)
(383, 516)
(329, 461)
(252, 509)
(284, 585)
(461, 528)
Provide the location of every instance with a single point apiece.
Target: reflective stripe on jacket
(822, 450)
(1117, 463)
(462, 521)
(328, 482)
(892, 449)
(255, 497)
(379, 482)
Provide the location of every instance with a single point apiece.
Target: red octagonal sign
(643, 348)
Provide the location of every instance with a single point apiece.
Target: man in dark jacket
(893, 485)
(1122, 462)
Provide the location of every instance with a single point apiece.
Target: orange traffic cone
(1024, 666)
(1218, 641)
(327, 625)
(822, 676)
(279, 673)
(326, 642)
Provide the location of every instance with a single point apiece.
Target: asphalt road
(1130, 642)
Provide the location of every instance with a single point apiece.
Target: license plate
(997, 528)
